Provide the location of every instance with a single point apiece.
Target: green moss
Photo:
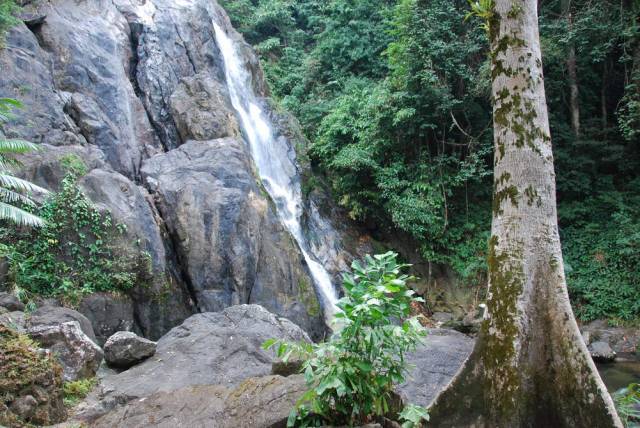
(498, 351)
(27, 371)
(308, 298)
(506, 193)
(77, 390)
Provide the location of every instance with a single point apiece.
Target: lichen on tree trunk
(530, 367)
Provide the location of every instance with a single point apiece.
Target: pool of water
(620, 374)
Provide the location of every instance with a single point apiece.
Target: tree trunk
(530, 366)
(572, 72)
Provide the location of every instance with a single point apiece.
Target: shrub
(77, 390)
(351, 377)
(627, 401)
(78, 251)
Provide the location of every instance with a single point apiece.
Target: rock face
(131, 88)
(256, 402)
(435, 363)
(125, 349)
(108, 313)
(79, 356)
(213, 348)
(233, 247)
(622, 340)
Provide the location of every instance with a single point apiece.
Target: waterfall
(277, 170)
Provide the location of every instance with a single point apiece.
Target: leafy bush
(602, 253)
(8, 8)
(78, 251)
(627, 401)
(351, 377)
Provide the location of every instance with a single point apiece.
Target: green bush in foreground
(627, 401)
(78, 251)
(351, 377)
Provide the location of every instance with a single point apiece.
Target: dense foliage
(79, 250)
(8, 8)
(351, 376)
(394, 96)
(627, 401)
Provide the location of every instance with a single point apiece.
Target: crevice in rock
(175, 260)
(34, 24)
(186, 49)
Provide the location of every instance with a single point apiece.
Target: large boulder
(213, 348)
(256, 402)
(10, 302)
(228, 235)
(79, 356)
(601, 352)
(434, 364)
(56, 315)
(125, 349)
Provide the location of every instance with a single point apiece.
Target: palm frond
(19, 216)
(12, 197)
(7, 162)
(17, 146)
(15, 183)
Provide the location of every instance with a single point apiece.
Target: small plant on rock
(351, 377)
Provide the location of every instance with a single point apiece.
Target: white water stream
(270, 154)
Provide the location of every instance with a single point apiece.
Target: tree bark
(572, 71)
(530, 366)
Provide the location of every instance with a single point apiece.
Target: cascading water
(277, 171)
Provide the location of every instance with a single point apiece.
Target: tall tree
(530, 367)
(572, 70)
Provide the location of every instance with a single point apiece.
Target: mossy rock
(31, 383)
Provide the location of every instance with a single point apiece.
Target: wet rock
(256, 402)
(434, 365)
(231, 242)
(601, 352)
(108, 314)
(125, 349)
(209, 348)
(10, 302)
(78, 355)
(56, 315)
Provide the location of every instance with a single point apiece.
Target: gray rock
(228, 235)
(55, 315)
(434, 365)
(623, 340)
(209, 348)
(125, 349)
(442, 317)
(256, 402)
(601, 352)
(78, 355)
(200, 108)
(10, 302)
(15, 320)
(108, 313)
